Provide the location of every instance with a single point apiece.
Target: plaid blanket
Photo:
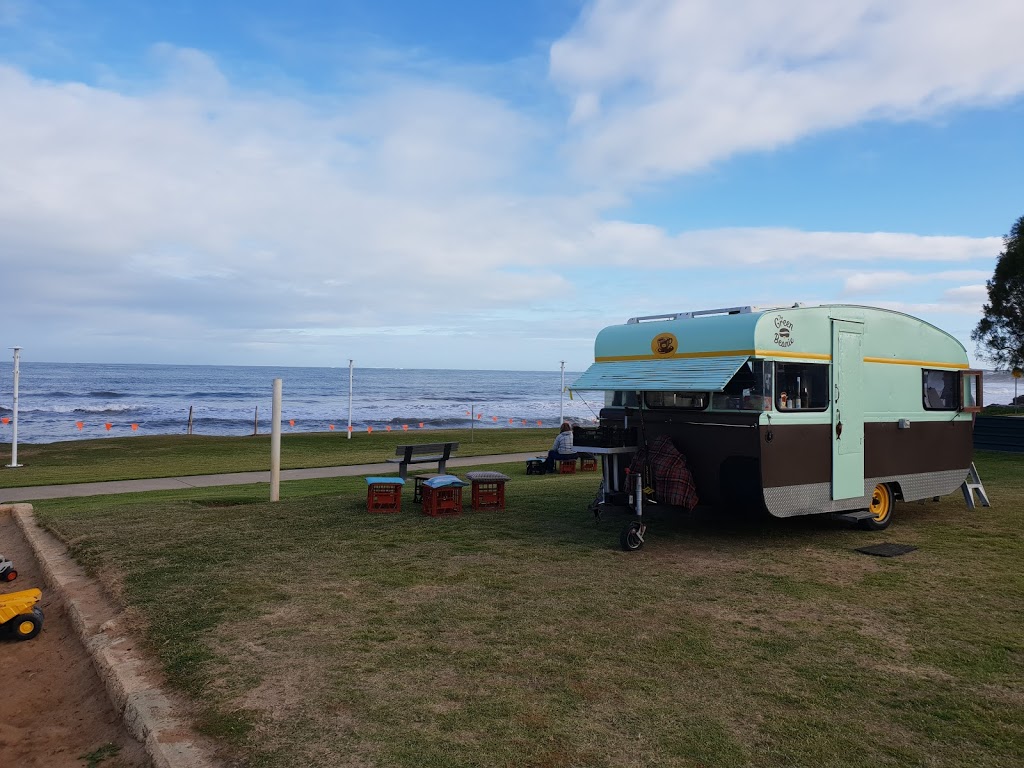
(671, 478)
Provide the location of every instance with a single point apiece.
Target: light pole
(1016, 372)
(275, 443)
(561, 399)
(14, 437)
(350, 399)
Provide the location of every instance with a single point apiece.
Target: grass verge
(309, 632)
(130, 458)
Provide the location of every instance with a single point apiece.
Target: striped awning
(693, 374)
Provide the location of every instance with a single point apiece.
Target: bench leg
(403, 468)
(440, 466)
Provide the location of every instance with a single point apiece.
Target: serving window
(801, 386)
(748, 390)
(689, 401)
(940, 390)
(620, 398)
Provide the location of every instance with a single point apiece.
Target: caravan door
(847, 410)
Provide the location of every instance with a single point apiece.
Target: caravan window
(972, 391)
(801, 386)
(940, 390)
(748, 390)
(691, 401)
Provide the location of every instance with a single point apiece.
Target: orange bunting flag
(511, 420)
(4, 420)
(135, 427)
(524, 421)
(538, 422)
(349, 427)
(467, 413)
(405, 427)
(494, 418)
(387, 428)
(330, 427)
(291, 422)
(79, 424)
(369, 430)
(421, 425)
(479, 415)
(108, 425)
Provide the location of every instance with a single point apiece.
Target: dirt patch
(54, 710)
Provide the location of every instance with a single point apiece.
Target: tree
(1000, 332)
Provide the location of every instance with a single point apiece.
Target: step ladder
(972, 485)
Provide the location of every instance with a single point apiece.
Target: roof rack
(701, 312)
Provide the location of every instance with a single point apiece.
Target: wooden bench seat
(424, 453)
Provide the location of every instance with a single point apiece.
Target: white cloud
(971, 296)
(186, 223)
(661, 87)
(881, 282)
(876, 282)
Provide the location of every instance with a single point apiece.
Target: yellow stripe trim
(677, 356)
(922, 363)
(794, 355)
(775, 354)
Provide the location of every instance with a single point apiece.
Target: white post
(472, 420)
(349, 399)
(14, 437)
(275, 444)
(561, 399)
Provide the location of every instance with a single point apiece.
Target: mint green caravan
(799, 410)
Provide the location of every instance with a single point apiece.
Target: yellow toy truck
(20, 617)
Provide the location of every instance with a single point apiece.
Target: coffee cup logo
(664, 344)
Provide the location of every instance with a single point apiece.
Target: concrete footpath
(39, 492)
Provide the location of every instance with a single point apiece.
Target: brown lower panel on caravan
(787, 468)
(928, 459)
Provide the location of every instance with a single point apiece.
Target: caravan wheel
(883, 501)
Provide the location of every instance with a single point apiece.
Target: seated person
(562, 449)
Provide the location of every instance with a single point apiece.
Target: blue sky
(466, 184)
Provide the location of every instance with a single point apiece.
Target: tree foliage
(1000, 332)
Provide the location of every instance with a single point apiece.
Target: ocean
(72, 401)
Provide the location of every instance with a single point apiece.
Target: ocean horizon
(71, 401)
(74, 401)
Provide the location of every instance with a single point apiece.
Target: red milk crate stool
(384, 494)
(566, 466)
(588, 462)
(442, 495)
(488, 489)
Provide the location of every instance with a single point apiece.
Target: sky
(459, 184)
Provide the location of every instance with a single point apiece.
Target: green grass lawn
(129, 458)
(309, 632)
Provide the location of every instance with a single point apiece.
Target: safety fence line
(369, 429)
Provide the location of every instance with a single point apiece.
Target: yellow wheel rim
(26, 627)
(881, 503)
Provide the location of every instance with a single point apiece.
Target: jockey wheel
(632, 536)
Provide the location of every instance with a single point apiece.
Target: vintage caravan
(798, 410)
